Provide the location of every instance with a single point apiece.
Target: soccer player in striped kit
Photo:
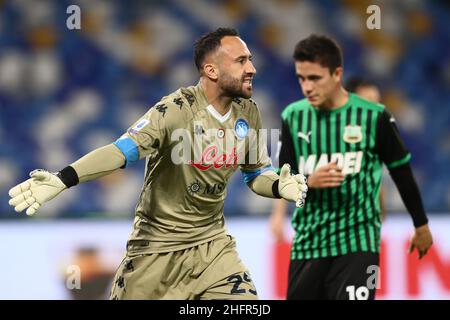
(340, 142)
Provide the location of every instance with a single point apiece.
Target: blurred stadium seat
(65, 92)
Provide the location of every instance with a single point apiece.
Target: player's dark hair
(209, 43)
(320, 49)
(354, 83)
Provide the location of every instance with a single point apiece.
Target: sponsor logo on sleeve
(138, 126)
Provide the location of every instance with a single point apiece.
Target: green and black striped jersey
(359, 136)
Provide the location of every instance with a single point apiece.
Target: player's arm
(409, 191)
(43, 186)
(393, 153)
(286, 154)
(284, 186)
(97, 163)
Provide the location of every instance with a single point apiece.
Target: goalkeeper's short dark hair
(209, 43)
(320, 49)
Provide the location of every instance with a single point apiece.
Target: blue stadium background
(65, 92)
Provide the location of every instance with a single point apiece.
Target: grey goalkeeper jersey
(191, 152)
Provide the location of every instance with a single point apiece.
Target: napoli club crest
(241, 128)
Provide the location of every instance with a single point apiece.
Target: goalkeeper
(179, 248)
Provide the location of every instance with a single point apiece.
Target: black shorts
(348, 277)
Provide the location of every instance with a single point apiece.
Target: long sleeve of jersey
(287, 152)
(148, 135)
(409, 191)
(98, 163)
(394, 154)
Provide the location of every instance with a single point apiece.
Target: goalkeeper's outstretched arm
(44, 186)
(285, 186)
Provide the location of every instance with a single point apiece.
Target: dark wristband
(275, 191)
(68, 176)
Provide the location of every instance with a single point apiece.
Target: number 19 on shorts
(359, 293)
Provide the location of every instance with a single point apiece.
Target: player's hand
(292, 188)
(328, 176)
(42, 187)
(421, 240)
